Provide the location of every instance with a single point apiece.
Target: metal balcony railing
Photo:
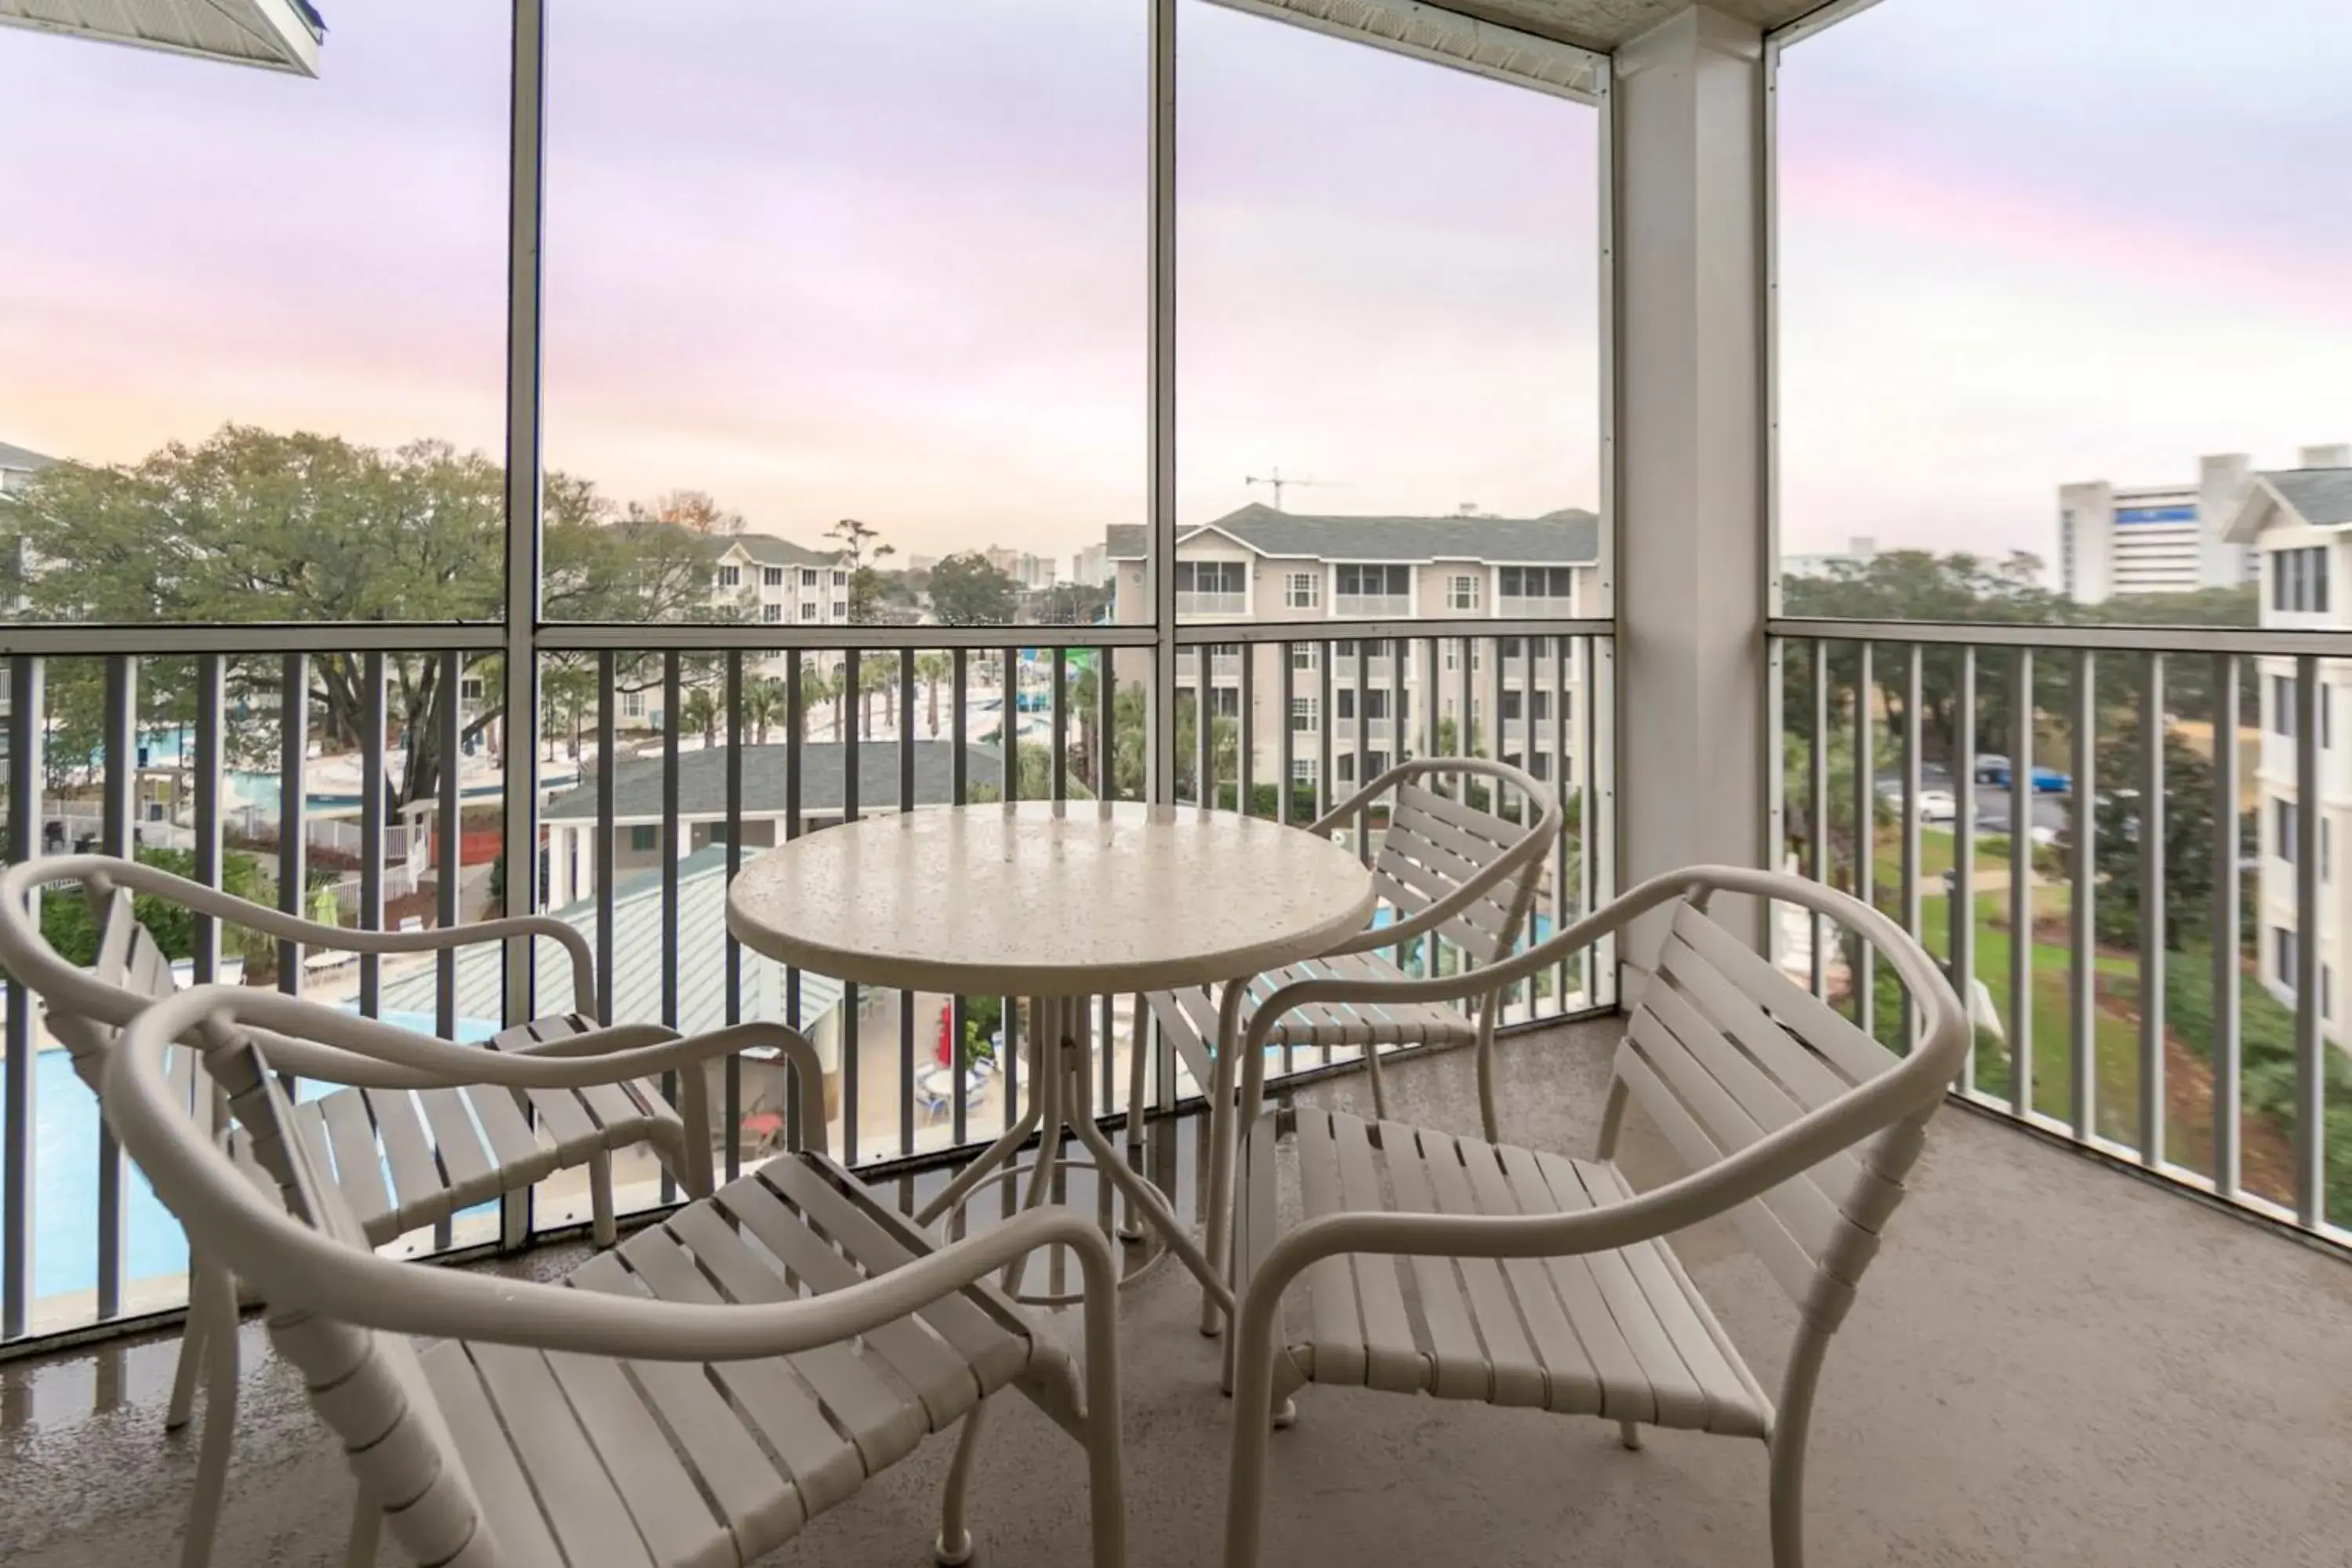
(1212, 604)
(1379, 606)
(280, 775)
(2121, 842)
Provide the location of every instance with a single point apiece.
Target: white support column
(1692, 531)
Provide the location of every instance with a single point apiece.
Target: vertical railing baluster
(1820, 803)
(1205, 729)
(1246, 743)
(2153, 925)
(1963, 915)
(27, 729)
(1363, 769)
(2310, 1081)
(2225, 1045)
(1009, 790)
(673, 839)
(1106, 788)
(1061, 723)
(447, 851)
(852, 686)
(958, 1008)
(606, 848)
(1325, 718)
(2083, 961)
(372, 825)
(293, 804)
(212, 710)
(795, 723)
(732, 951)
(1909, 892)
(2020, 884)
(118, 836)
(1560, 913)
(907, 803)
(1866, 831)
(1287, 745)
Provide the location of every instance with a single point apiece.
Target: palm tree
(701, 712)
(875, 675)
(817, 688)
(933, 669)
(763, 705)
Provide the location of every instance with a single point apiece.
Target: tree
(68, 927)
(817, 686)
(933, 669)
(2189, 869)
(861, 545)
(253, 525)
(966, 591)
(877, 675)
(765, 699)
(701, 711)
(696, 512)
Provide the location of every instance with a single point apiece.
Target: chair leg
(193, 1337)
(220, 1357)
(367, 1526)
(1630, 1434)
(600, 1197)
(954, 1548)
(1137, 1058)
(1224, 1116)
(1790, 1422)
(1245, 1477)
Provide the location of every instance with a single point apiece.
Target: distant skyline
(889, 262)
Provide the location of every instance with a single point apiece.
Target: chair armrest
(103, 873)
(287, 1260)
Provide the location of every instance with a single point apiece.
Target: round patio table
(1057, 901)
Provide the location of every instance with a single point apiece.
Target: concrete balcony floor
(2051, 1363)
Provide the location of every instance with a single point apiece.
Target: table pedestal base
(1060, 1104)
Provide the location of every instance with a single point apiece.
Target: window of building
(730, 576)
(808, 610)
(1343, 767)
(1304, 655)
(1539, 704)
(645, 838)
(841, 610)
(2283, 706)
(2282, 834)
(1536, 582)
(1512, 703)
(1302, 590)
(1302, 770)
(771, 576)
(841, 579)
(1542, 768)
(1302, 712)
(1212, 576)
(2299, 580)
(2283, 950)
(772, 612)
(1462, 592)
(808, 576)
(1343, 705)
(1366, 581)
(469, 689)
(633, 704)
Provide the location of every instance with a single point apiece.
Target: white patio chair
(408, 1148)
(692, 1397)
(1446, 868)
(1471, 1268)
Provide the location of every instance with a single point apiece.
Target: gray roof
(1567, 537)
(637, 964)
(2321, 496)
(702, 781)
(770, 550)
(15, 457)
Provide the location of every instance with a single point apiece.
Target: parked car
(1937, 805)
(1995, 770)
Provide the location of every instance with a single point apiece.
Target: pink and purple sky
(888, 261)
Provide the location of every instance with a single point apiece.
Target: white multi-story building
(2153, 539)
(1259, 566)
(780, 582)
(18, 466)
(2295, 521)
(1859, 552)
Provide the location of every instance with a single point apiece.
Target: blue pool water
(65, 1180)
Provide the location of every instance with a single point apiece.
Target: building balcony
(1222, 605)
(1372, 607)
(2017, 1320)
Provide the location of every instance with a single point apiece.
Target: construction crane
(1280, 484)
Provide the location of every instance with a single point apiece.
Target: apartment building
(2154, 539)
(2294, 521)
(1258, 566)
(780, 582)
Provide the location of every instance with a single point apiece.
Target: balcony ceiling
(1605, 23)
(275, 35)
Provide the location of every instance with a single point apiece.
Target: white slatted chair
(687, 1399)
(405, 1147)
(1446, 869)
(1470, 1268)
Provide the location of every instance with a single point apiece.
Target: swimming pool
(65, 1181)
